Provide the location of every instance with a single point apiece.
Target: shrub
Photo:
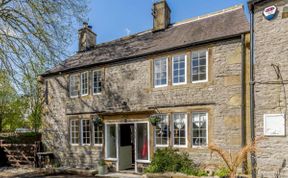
(169, 160)
(222, 172)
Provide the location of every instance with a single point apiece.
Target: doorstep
(119, 175)
(72, 171)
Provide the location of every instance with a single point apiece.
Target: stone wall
(131, 82)
(271, 39)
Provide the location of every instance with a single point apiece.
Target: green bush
(169, 160)
(222, 172)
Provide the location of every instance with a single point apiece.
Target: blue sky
(112, 19)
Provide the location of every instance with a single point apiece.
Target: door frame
(135, 141)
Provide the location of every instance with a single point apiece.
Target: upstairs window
(179, 69)
(84, 83)
(161, 72)
(199, 66)
(180, 130)
(86, 132)
(199, 128)
(74, 83)
(162, 131)
(97, 82)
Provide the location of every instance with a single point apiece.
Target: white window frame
(117, 143)
(93, 81)
(207, 136)
(266, 116)
(75, 76)
(81, 136)
(185, 68)
(71, 132)
(168, 127)
(154, 83)
(97, 144)
(207, 64)
(81, 84)
(186, 131)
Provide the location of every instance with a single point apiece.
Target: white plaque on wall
(274, 125)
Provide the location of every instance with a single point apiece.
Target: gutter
(144, 55)
(252, 84)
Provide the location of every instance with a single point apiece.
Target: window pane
(198, 66)
(97, 82)
(84, 83)
(179, 128)
(142, 141)
(199, 128)
(111, 141)
(74, 131)
(161, 131)
(98, 139)
(179, 69)
(160, 72)
(73, 85)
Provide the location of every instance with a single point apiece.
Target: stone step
(119, 175)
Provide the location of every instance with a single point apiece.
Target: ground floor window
(162, 131)
(86, 132)
(142, 141)
(98, 135)
(199, 128)
(111, 151)
(180, 129)
(74, 131)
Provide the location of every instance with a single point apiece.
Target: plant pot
(102, 169)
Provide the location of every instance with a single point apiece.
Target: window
(98, 135)
(199, 128)
(110, 131)
(180, 129)
(161, 72)
(179, 69)
(86, 132)
(274, 125)
(84, 83)
(142, 141)
(74, 131)
(73, 88)
(97, 82)
(199, 66)
(162, 131)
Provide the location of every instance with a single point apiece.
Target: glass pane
(142, 141)
(111, 141)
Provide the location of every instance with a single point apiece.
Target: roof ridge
(223, 11)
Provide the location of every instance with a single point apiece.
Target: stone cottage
(190, 74)
(270, 56)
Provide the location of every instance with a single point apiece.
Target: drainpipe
(252, 82)
(243, 99)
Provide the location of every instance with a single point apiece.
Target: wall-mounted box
(274, 124)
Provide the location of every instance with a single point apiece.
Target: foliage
(22, 138)
(170, 160)
(233, 161)
(101, 162)
(222, 172)
(154, 119)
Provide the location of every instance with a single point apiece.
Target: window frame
(93, 132)
(70, 86)
(167, 63)
(168, 127)
(81, 132)
(71, 133)
(186, 130)
(81, 84)
(185, 68)
(93, 81)
(207, 64)
(207, 123)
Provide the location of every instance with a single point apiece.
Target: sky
(112, 19)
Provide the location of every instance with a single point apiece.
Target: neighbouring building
(191, 74)
(270, 82)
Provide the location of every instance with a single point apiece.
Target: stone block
(235, 100)
(232, 121)
(232, 80)
(235, 56)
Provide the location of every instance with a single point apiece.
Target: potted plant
(154, 119)
(98, 121)
(102, 167)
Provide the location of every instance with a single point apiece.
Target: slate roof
(223, 24)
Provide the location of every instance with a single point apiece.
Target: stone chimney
(161, 15)
(87, 38)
